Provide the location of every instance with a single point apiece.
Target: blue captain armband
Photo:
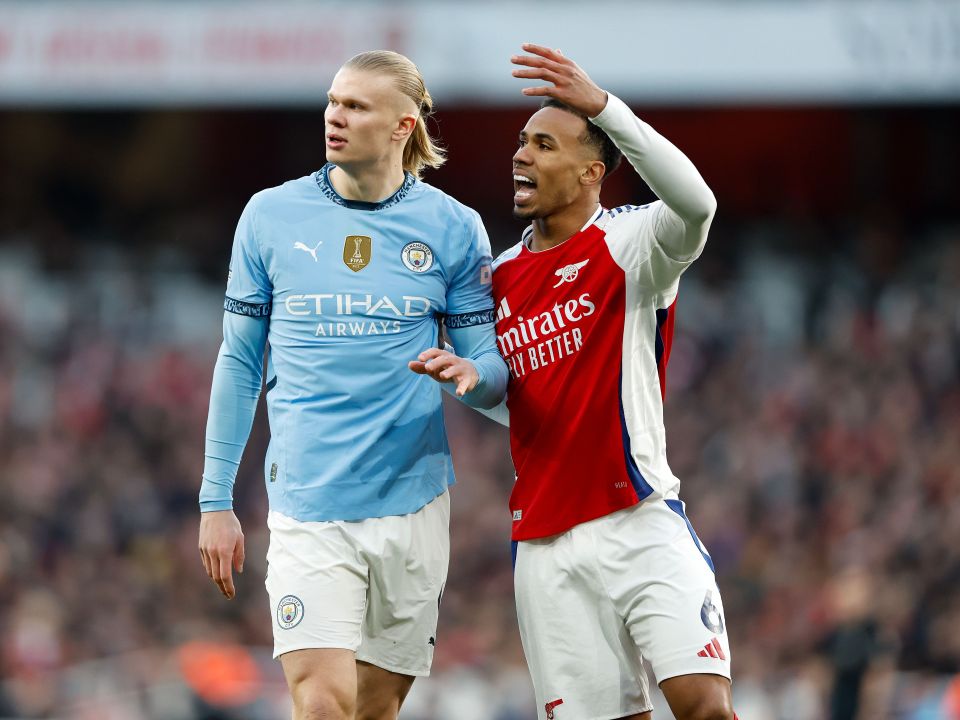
(480, 317)
(239, 307)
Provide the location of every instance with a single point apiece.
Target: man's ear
(405, 127)
(592, 173)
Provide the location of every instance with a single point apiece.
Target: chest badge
(417, 256)
(357, 251)
(569, 273)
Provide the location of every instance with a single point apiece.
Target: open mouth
(335, 142)
(524, 188)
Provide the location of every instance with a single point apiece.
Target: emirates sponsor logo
(534, 342)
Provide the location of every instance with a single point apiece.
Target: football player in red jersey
(608, 568)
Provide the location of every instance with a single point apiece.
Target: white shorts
(371, 586)
(595, 600)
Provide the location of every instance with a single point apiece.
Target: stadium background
(813, 410)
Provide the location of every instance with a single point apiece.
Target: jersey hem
(562, 528)
(361, 518)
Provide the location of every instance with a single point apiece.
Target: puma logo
(313, 251)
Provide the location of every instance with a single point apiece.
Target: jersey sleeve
(237, 378)
(479, 344)
(498, 413)
(656, 242)
(469, 295)
(249, 289)
(237, 375)
(632, 236)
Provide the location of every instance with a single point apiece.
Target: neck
(558, 227)
(367, 183)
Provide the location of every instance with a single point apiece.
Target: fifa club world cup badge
(289, 612)
(710, 614)
(417, 256)
(357, 250)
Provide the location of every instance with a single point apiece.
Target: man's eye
(521, 142)
(544, 146)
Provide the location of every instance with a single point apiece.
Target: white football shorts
(372, 586)
(593, 601)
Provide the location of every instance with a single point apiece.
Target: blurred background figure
(853, 644)
(813, 411)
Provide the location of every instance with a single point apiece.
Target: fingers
(535, 91)
(238, 556)
(221, 545)
(463, 387)
(224, 579)
(544, 52)
(536, 64)
(434, 362)
(443, 368)
(430, 353)
(537, 74)
(205, 559)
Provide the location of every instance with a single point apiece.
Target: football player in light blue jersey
(343, 276)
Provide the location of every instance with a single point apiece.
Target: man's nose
(521, 156)
(334, 117)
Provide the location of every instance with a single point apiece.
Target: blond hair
(421, 150)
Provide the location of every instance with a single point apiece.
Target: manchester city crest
(417, 256)
(289, 612)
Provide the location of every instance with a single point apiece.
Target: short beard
(524, 214)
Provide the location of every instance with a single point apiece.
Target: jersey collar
(528, 233)
(322, 177)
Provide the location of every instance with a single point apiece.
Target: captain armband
(239, 307)
(480, 317)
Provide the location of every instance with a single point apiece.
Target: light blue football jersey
(353, 291)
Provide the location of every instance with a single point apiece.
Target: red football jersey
(586, 328)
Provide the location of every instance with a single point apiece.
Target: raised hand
(570, 84)
(444, 366)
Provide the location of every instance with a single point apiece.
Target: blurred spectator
(812, 415)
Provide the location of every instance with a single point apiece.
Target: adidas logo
(503, 310)
(551, 706)
(712, 649)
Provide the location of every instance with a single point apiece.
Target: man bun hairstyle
(421, 150)
(608, 153)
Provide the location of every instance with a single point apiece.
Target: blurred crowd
(813, 416)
